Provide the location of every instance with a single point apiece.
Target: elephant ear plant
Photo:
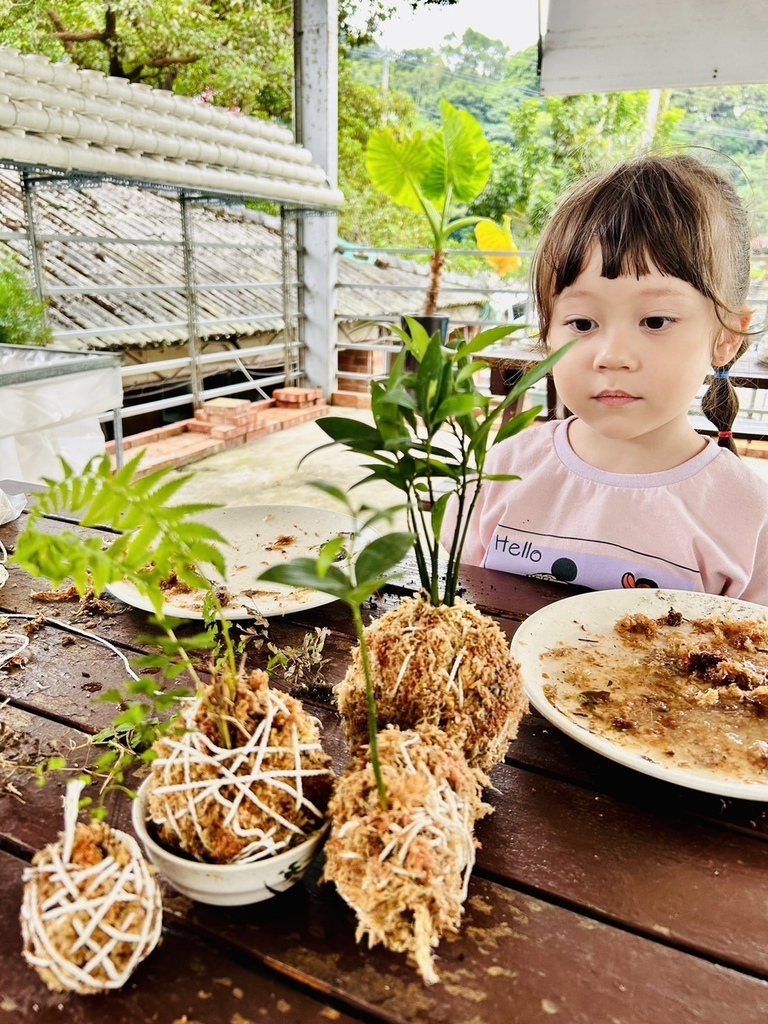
(438, 175)
(434, 673)
(213, 794)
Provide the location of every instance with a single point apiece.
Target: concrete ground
(279, 468)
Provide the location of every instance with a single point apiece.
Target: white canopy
(625, 45)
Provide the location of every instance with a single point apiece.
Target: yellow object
(497, 238)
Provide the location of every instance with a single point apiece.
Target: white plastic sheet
(49, 406)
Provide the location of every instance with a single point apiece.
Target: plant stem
(373, 729)
(413, 515)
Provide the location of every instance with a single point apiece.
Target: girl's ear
(728, 344)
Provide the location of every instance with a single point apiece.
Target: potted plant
(237, 772)
(401, 788)
(435, 659)
(433, 695)
(438, 175)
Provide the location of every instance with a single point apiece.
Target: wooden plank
(542, 747)
(518, 960)
(181, 981)
(554, 839)
(63, 677)
(646, 867)
(542, 824)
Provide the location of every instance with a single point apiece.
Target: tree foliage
(556, 140)
(242, 49)
(239, 53)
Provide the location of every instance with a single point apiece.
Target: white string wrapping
(69, 628)
(87, 926)
(405, 870)
(195, 772)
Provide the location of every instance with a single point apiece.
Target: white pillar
(316, 60)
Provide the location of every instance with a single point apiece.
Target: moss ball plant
(405, 869)
(92, 909)
(263, 793)
(449, 667)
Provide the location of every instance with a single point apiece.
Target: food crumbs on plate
(549, 1006)
(691, 691)
(283, 1006)
(281, 543)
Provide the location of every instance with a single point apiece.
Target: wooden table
(600, 896)
(508, 363)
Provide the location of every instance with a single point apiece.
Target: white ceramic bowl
(225, 885)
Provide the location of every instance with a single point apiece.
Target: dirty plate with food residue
(670, 683)
(258, 536)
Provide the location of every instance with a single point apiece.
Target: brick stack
(222, 423)
(291, 406)
(354, 393)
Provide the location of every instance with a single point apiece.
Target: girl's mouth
(614, 399)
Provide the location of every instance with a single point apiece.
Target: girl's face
(646, 345)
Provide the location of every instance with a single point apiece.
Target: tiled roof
(125, 241)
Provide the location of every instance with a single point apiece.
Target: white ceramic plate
(574, 619)
(258, 536)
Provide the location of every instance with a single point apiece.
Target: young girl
(648, 267)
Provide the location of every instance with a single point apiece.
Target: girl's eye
(657, 323)
(582, 325)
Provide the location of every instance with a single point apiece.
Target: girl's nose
(614, 352)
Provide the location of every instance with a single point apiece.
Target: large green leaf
(460, 158)
(484, 339)
(354, 434)
(398, 167)
(304, 572)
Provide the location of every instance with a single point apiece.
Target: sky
(515, 23)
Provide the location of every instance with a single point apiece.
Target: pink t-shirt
(701, 526)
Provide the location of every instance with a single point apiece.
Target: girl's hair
(674, 212)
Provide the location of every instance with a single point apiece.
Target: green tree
(242, 49)
(557, 140)
(476, 54)
(364, 218)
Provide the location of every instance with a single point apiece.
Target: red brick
(351, 399)
(297, 396)
(228, 409)
(228, 431)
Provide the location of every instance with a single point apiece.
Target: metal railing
(753, 401)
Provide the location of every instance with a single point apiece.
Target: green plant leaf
(484, 339)
(467, 155)
(398, 166)
(303, 572)
(518, 423)
(379, 557)
(329, 552)
(455, 405)
(354, 434)
(416, 339)
(332, 491)
(437, 515)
